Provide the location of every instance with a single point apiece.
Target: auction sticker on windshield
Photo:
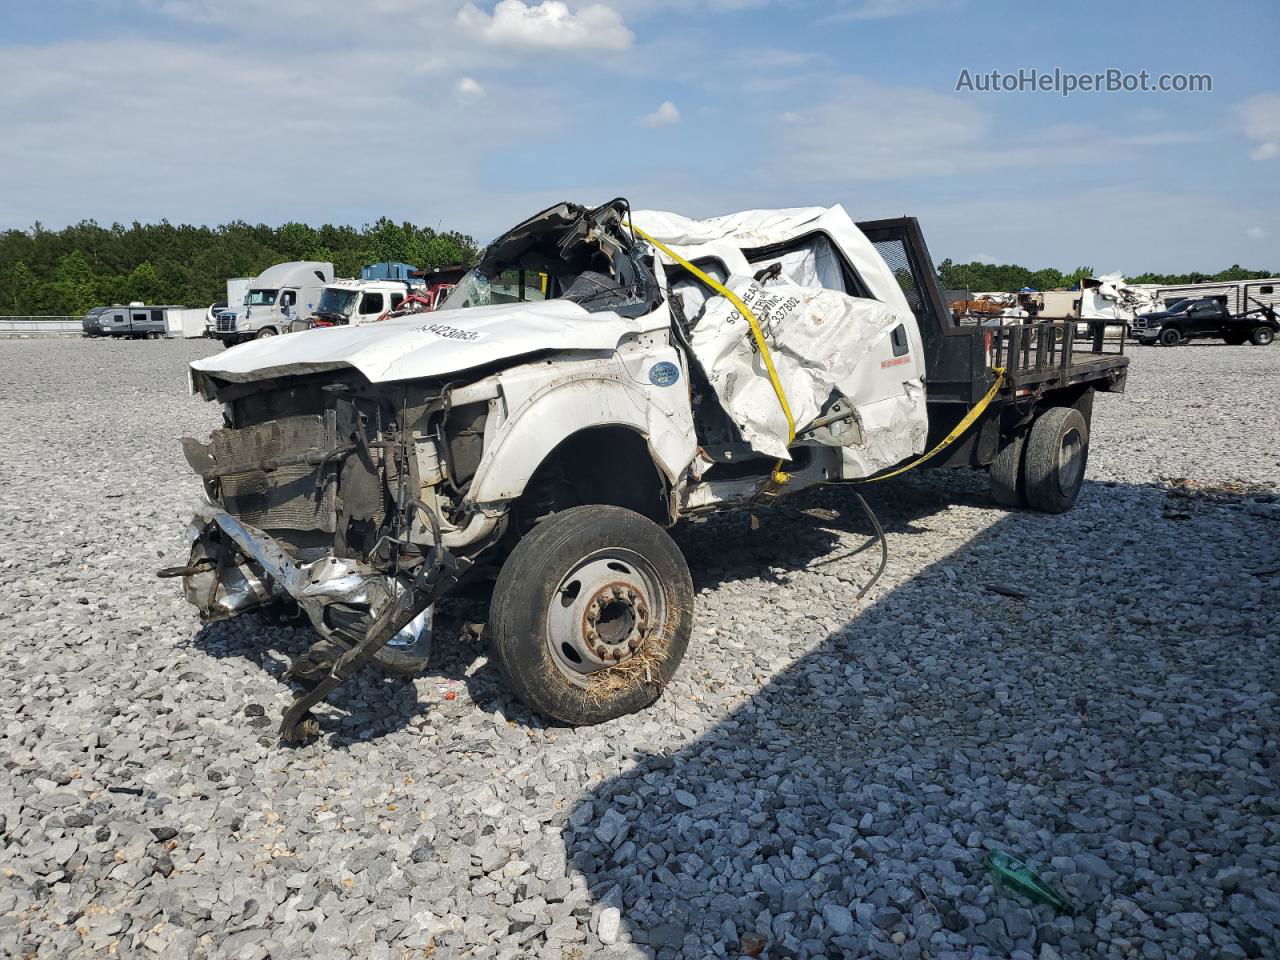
(449, 333)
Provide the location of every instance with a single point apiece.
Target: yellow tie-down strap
(779, 476)
(965, 423)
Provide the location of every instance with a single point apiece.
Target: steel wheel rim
(1070, 460)
(602, 612)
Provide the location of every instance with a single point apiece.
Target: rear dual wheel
(1044, 467)
(591, 614)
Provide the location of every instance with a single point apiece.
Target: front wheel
(1170, 338)
(266, 332)
(1057, 453)
(1262, 336)
(591, 614)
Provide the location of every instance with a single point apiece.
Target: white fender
(541, 411)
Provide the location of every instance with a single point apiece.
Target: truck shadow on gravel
(1115, 725)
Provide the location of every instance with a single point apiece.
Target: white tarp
(818, 339)
(825, 343)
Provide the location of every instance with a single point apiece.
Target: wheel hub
(615, 622)
(602, 612)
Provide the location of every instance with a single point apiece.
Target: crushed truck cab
(589, 383)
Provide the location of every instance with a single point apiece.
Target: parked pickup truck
(1206, 318)
(598, 377)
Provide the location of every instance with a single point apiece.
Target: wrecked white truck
(596, 378)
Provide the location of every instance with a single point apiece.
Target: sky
(472, 115)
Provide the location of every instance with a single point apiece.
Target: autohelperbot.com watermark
(1065, 82)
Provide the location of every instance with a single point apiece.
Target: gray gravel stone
(823, 774)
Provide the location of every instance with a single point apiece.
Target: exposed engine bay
(350, 498)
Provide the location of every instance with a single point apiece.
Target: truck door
(1205, 318)
(288, 307)
(371, 307)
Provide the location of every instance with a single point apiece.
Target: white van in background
(278, 297)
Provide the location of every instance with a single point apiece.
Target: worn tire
(1262, 336)
(539, 573)
(1057, 454)
(265, 332)
(1170, 338)
(1007, 486)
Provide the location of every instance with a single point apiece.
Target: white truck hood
(421, 345)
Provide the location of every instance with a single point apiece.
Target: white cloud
(666, 115)
(1258, 118)
(467, 87)
(248, 136)
(549, 25)
(883, 9)
(866, 131)
(1256, 233)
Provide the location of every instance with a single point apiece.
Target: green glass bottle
(1017, 876)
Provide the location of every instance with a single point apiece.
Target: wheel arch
(565, 418)
(602, 465)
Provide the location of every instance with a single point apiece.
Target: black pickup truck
(1206, 318)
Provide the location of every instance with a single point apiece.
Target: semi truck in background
(237, 288)
(274, 301)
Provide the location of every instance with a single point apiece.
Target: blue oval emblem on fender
(664, 374)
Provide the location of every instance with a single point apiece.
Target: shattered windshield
(510, 286)
(337, 302)
(260, 298)
(567, 252)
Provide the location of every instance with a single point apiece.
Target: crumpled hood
(422, 344)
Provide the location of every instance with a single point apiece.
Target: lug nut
(602, 653)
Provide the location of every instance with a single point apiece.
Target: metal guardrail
(40, 326)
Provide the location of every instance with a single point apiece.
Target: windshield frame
(572, 247)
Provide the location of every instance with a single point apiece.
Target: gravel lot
(822, 776)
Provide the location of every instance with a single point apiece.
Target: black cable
(884, 547)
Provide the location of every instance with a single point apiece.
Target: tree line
(66, 272)
(1009, 277)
